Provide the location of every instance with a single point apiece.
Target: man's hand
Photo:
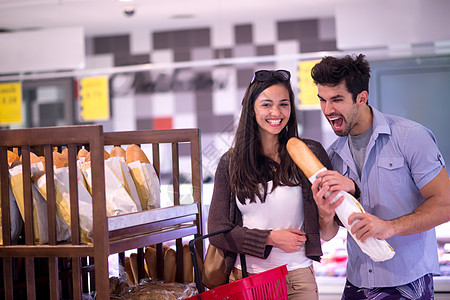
(336, 182)
(369, 225)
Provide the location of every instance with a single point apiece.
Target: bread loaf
(135, 153)
(134, 266)
(12, 157)
(33, 158)
(88, 156)
(118, 151)
(65, 153)
(188, 267)
(129, 271)
(113, 284)
(303, 157)
(59, 161)
(42, 158)
(82, 153)
(150, 261)
(169, 265)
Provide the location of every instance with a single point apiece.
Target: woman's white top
(282, 209)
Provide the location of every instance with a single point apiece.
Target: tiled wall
(201, 96)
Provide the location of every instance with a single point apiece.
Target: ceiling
(103, 17)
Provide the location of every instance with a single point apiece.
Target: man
(405, 189)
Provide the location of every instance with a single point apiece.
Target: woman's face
(272, 110)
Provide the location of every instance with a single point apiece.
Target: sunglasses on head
(264, 75)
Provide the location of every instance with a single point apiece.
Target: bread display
(83, 262)
(378, 250)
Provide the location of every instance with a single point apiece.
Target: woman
(264, 197)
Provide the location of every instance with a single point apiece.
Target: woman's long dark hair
(249, 167)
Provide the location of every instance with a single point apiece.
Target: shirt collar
(380, 125)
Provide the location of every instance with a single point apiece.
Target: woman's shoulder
(225, 158)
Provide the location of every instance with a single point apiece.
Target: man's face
(338, 107)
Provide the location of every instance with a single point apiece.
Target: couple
(277, 217)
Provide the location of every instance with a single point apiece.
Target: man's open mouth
(336, 122)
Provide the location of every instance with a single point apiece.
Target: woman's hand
(323, 196)
(289, 240)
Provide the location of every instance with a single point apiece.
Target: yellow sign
(10, 103)
(94, 96)
(308, 90)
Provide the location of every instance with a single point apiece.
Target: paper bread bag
(144, 176)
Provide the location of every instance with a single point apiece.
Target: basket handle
(192, 249)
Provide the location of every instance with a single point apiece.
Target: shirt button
(370, 270)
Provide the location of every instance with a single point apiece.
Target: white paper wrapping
(118, 201)
(147, 184)
(378, 250)
(120, 168)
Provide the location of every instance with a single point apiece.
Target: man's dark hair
(354, 71)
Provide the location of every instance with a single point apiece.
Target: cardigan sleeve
(224, 214)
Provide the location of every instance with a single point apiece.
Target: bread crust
(135, 153)
(303, 157)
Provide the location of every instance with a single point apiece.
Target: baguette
(134, 266)
(169, 265)
(188, 267)
(82, 153)
(303, 157)
(12, 157)
(88, 156)
(150, 261)
(135, 153)
(65, 153)
(129, 271)
(59, 161)
(33, 158)
(42, 158)
(117, 151)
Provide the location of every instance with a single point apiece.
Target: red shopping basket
(268, 285)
